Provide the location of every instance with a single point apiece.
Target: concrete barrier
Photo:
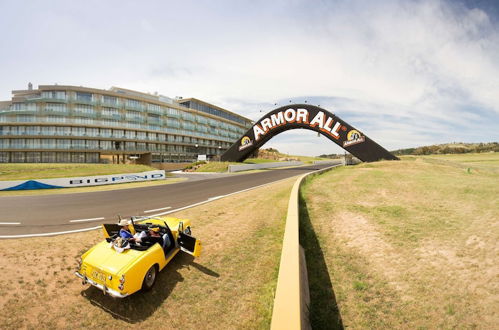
(292, 297)
(332, 161)
(247, 167)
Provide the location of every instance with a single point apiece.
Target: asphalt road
(24, 215)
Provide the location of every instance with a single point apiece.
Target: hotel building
(69, 124)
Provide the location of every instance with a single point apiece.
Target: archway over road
(310, 117)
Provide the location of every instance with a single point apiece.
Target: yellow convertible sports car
(120, 267)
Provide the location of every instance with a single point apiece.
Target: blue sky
(407, 73)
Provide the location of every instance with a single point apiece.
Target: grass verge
(405, 244)
(11, 172)
(230, 286)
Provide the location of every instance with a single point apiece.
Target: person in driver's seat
(153, 236)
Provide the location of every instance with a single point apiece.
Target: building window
(63, 144)
(130, 134)
(4, 157)
(106, 145)
(85, 97)
(77, 131)
(61, 130)
(105, 132)
(63, 157)
(48, 144)
(48, 130)
(130, 146)
(133, 103)
(17, 157)
(83, 108)
(60, 95)
(93, 132)
(115, 113)
(23, 106)
(25, 118)
(92, 157)
(56, 107)
(153, 107)
(110, 100)
(4, 144)
(49, 157)
(92, 144)
(5, 130)
(33, 157)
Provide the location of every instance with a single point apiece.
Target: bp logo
(353, 137)
(245, 143)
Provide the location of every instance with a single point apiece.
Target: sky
(406, 73)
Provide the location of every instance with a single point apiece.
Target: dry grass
(408, 244)
(230, 286)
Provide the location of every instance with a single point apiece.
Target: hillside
(449, 148)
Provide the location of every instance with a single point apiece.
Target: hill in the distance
(447, 148)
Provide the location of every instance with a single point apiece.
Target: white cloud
(406, 72)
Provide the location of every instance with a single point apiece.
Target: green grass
(11, 172)
(214, 167)
(404, 243)
(259, 161)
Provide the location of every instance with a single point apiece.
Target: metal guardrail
(291, 298)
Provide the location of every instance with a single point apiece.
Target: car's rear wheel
(150, 278)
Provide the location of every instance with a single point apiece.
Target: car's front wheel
(150, 278)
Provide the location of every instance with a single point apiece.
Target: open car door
(110, 229)
(189, 244)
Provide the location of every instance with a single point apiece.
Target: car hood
(106, 258)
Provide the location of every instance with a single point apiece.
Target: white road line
(222, 196)
(216, 197)
(10, 223)
(152, 215)
(86, 220)
(160, 209)
(50, 234)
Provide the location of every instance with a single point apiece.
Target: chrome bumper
(103, 288)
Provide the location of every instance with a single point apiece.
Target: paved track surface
(22, 215)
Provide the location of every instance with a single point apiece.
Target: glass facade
(81, 125)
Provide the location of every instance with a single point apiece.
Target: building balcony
(45, 99)
(112, 116)
(48, 111)
(135, 119)
(19, 111)
(82, 101)
(155, 111)
(84, 114)
(134, 107)
(116, 105)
